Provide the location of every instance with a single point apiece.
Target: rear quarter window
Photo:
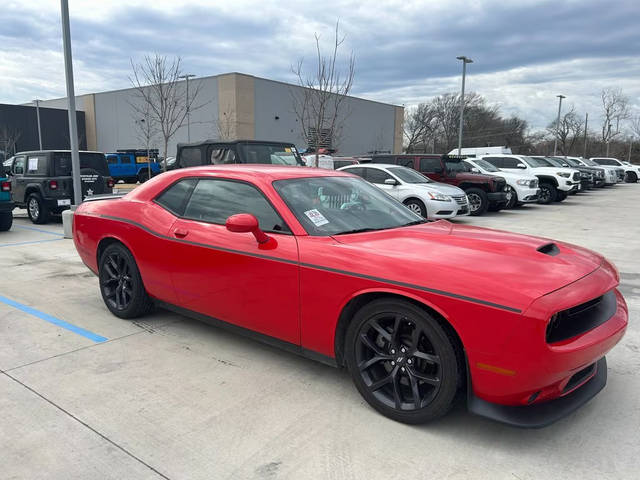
(176, 196)
(190, 157)
(94, 161)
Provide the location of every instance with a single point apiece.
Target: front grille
(460, 199)
(576, 175)
(581, 318)
(584, 175)
(533, 183)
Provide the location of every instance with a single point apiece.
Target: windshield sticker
(33, 164)
(287, 149)
(316, 217)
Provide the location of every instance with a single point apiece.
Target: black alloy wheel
(121, 284)
(402, 361)
(548, 193)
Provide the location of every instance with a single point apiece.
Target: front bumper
(542, 414)
(527, 195)
(568, 186)
(498, 198)
(6, 207)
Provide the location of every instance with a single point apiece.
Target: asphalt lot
(168, 397)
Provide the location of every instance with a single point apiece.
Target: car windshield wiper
(415, 222)
(357, 230)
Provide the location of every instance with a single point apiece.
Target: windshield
(607, 161)
(555, 162)
(456, 166)
(489, 167)
(95, 161)
(537, 162)
(590, 162)
(572, 162)
(276, 154)
(336, 205)
(409, 176)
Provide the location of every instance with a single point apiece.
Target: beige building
(239, 106)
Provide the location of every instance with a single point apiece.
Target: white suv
(420, 194)
(555, 182)
(525, 186)
(631, 172)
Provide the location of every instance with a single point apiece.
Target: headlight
(439, 196)
(523, 182)
(563, 174)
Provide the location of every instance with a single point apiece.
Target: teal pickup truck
(6, 205)
(132, 165)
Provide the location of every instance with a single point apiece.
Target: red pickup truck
(485, 192)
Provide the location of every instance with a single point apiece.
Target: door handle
(180, 233)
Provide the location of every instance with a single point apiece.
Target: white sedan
(430, 199)
(525, 186)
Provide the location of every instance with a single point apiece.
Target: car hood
(514, 176)
(438, 187)
(495, 266)
(553, 170)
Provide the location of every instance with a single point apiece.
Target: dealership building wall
(241, 107)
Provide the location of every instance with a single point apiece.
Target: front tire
(513, 201)
(631, 177)
(402, 361)
(37, 210)
(478, 201)
(548, 193)
(6, 220)
(561, 196)
(121, 284)
(416, 206)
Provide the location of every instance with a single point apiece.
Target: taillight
(53, 184)
(5, 186)
(110, 182)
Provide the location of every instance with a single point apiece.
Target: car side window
(175, 197)
(495, 161)
(18, 166)
(359, 171)
(404, 161)
(112, 159)
(222, 155)
(190, 157)
(125, 159)
(374, 175)
(216, 200)
(430, 165)
(510, 162)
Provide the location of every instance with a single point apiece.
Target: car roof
(55, 151)
(265, 171)
(373, 165)
(232, 142)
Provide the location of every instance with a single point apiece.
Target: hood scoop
(549, 249)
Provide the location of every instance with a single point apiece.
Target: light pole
(37, 102)
(465, 60)
(555, 145)
(187, 76)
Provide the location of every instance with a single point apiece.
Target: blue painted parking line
(56, 321)
(39, 230)
(29, 243)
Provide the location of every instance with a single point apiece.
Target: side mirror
(391, 181)
(246, 223)
(474, 170)
(7, 170)
(521, 165)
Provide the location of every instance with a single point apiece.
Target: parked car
(41, 180)
(6, 204)
(612, 175)
(483, 191)
(132, 165)
(237, 151)
(326, 265)
(554, 183)
(420, 194)
(339, 162)
(525, 186)
(631, 173)
(586, 177)
(597, 173)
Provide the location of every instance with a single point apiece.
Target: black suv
(41, 180)
(239, 151)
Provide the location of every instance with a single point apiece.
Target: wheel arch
(105, 242)
(548, 179)
(31, 188)
(360, 299)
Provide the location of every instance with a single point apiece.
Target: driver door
(18, 182)
(378, 177)
(229, 276)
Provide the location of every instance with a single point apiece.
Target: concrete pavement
(168, 397)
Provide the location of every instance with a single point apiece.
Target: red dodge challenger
(324, 264)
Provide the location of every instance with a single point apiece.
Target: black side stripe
(319, 267)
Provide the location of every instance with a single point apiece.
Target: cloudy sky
(525, 51)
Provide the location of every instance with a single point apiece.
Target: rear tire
(121, 284)
(402, 361)
(478, 201)
(548, 193)
(416, 206)
(36, 209)
(631, 177)
(6, 220)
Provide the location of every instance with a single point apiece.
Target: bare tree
(146, 128)
(568, 132)
(225, 124)
(419, 126)
(157, 83)
(9, 137)
(319, 102)
(635, 126)
(615, 108)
